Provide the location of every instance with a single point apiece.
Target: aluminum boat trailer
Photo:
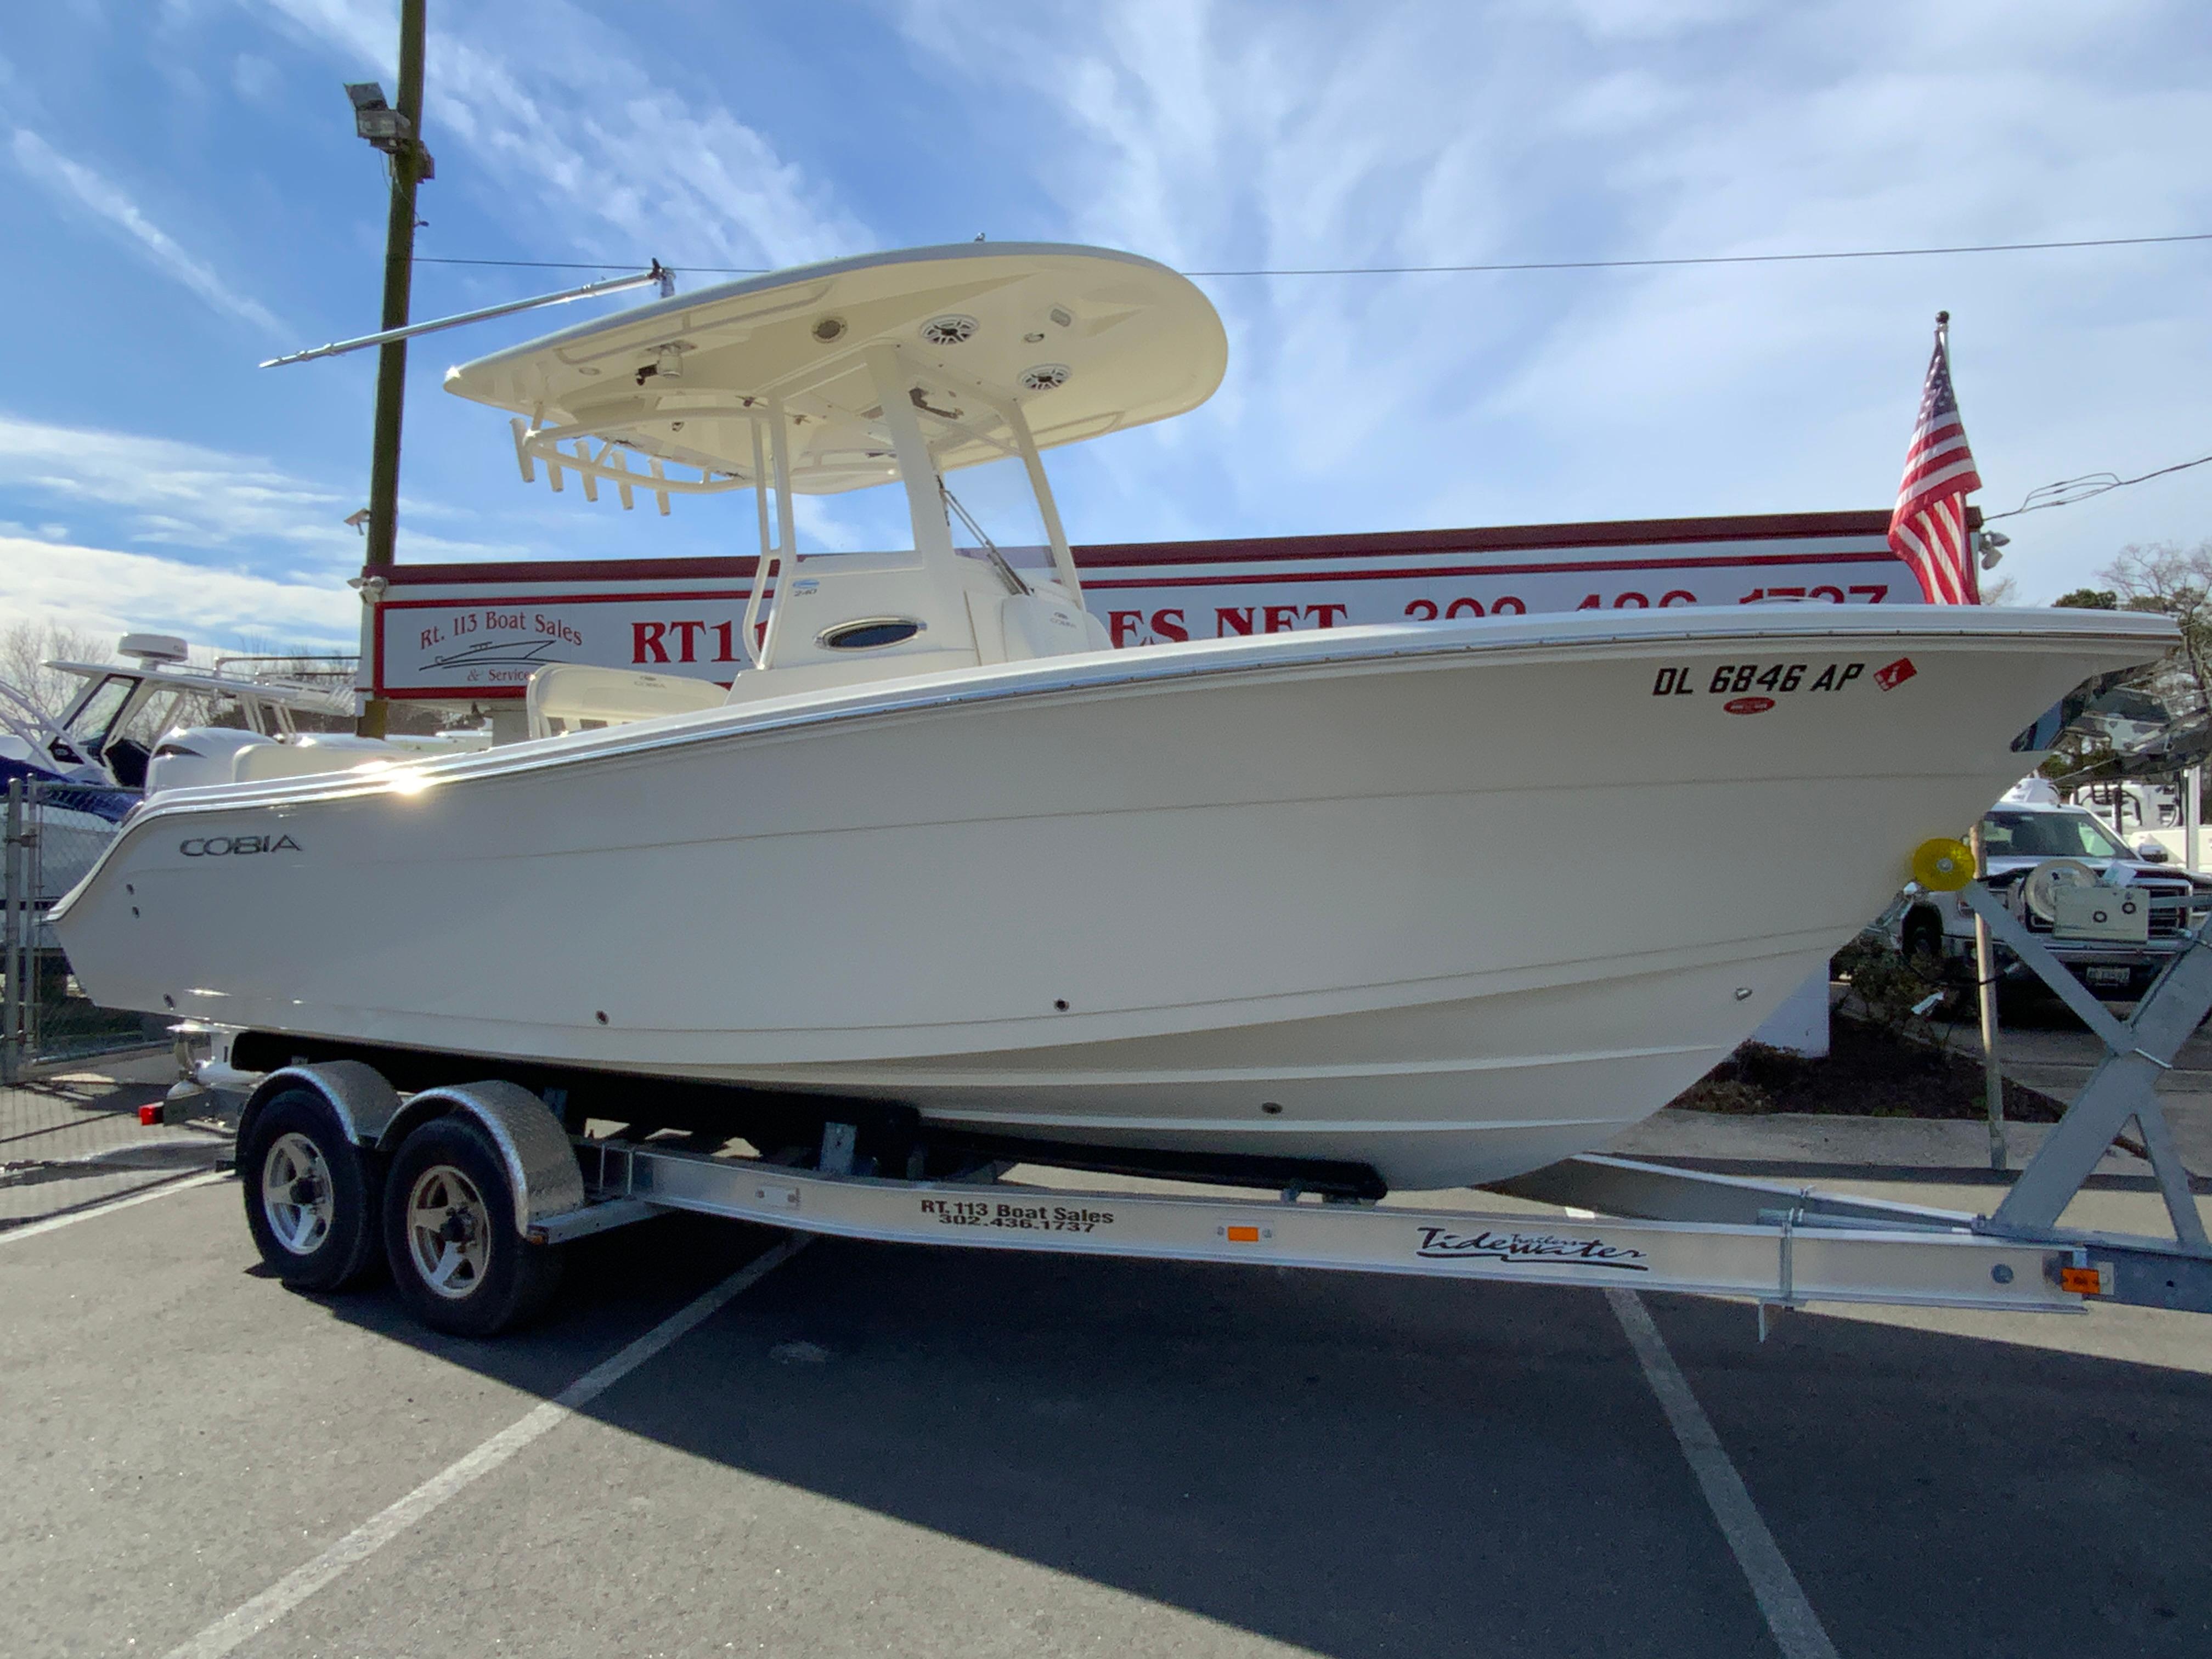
(469, 1191)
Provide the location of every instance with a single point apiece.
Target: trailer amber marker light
(2082, 1281)
(1241, 1234)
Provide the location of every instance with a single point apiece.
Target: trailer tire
(470, 1273)
(311, 1195)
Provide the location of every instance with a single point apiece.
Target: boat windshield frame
(266, 705)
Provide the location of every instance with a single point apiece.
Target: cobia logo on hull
(217, 847)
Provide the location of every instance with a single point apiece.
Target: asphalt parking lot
(878, 1449)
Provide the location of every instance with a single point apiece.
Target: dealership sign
(479, 631)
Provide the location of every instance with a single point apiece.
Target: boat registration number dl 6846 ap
(1735, 678)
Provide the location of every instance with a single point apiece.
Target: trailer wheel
(310, 1194)
(449, 1234)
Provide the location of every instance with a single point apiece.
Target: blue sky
(185, 196)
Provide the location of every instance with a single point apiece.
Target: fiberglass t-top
(893, 368)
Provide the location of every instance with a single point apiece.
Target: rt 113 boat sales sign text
(480, 631)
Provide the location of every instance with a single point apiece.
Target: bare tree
(26, 647)
(2161, 577)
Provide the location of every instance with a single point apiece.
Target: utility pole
(410, 165)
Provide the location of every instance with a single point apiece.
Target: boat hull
(1454, 902)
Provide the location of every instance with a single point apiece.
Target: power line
(2067, 491)
(587, 265)
(2064, 493)
(1430, 271)
(1709, 258)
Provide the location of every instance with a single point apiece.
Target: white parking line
(373, 1534)
(33, 1229)
(1797, 1630)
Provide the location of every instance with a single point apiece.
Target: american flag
(1928, 530)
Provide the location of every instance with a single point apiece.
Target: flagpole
(1985, 978)
(1971, 573)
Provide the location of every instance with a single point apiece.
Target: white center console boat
(1448, 901)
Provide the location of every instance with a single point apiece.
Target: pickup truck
(2018, 836)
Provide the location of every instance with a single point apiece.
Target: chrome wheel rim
(448, 1232)
(295, 1194)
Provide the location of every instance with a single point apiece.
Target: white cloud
(1236, 134)
(584, 141)
(104, 591)
(165, 491)
(73, 181)
(1644, 20)
(162, 492)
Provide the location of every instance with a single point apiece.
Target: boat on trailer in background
(101, 738)
(156, 720)
(1410, 906)
(124, 735)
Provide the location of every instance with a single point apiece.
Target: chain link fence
(72, 1076)
(71, 1137)
(54, 833)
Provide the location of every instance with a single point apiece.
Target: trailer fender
(541, 1165)
(363, 1101)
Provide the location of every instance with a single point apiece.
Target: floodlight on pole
(383, 127)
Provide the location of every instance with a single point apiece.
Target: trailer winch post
(2123, 1087)
(1985, 986)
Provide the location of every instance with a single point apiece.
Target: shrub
(1887, 985)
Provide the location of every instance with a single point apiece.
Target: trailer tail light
(2082, 1281)
(148, 1116)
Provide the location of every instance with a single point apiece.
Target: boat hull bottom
(1438, 1095)
(1451, 1093)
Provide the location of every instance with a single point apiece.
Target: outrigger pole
(658, 275)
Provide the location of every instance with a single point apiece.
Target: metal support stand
(2122, 1086)
(1985, 985)
(2193, 794)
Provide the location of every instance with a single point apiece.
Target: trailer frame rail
(1786, 1253)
